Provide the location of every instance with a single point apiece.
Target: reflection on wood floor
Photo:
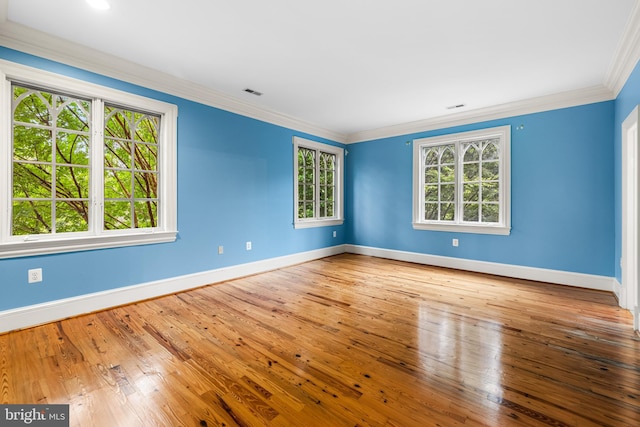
(343, 341)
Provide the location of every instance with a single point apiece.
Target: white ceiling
(350, 66)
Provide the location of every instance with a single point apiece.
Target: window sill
(317, 223)
(464, 228)
(43, 247)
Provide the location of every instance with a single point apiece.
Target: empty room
(328, 213)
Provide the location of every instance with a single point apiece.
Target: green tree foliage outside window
(51, 164)
(316, 183)
(480, 195)
(130, 169)
(306, 183)
(51, 170)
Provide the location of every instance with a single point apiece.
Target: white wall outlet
(335, 234)
(220, 250)
(455, 243)
(248, 246)
(35, 275)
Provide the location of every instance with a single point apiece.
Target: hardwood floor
(343, 341)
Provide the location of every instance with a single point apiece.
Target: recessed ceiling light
(99, 4)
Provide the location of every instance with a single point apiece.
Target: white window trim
(504, 226)
(338, 218)
(96, 238)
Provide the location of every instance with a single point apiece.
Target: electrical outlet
(220, 250)
(455, 243)
(35, 275)
(248, 246)
(335, 234)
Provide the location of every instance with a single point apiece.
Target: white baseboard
(33, 315)
(620, 293)
(589, 281)
(38, 314)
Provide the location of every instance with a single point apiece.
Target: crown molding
(528, 106)
(34, 42)
(626, 55)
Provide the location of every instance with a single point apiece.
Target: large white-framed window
(83, 166)
(318, 179)
(461, 182)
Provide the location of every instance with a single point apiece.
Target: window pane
(491, 151)
(470, 192)
(309, 192)
(490, 212)
(31, 181)
(145, 185)
(447, 192)
(431, 193)
(146, 157)
(117, 123)
(431, 175)
(117, 154)
(31, 106)
(31, 144)
(447, 211)
(330, 193)
(72, 182)
(309, 210)
(117, 215)
(491, 171)
(330, 208)
(145, 214)
(72, 216)
(431, 211)
(448, 173)
(330, 178)
(470, 212)
(471, 172)
(117, 184)
(470, 153)
(72, 148)
(32, 217)
(146, 129)
(430, 156)
(72, 113)
(448, 156)
(491, 192)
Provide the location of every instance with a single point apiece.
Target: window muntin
(318, 183)
(54, 191)
(461, 182)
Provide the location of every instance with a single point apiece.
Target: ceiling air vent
(453, 107)
(253, 92)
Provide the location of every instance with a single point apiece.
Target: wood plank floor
(343, 341)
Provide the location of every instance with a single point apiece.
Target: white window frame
(503, 227)
(337, 218)
(96, 237)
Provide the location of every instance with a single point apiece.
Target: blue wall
(627, 100)
(562, 180)
(235, 184)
